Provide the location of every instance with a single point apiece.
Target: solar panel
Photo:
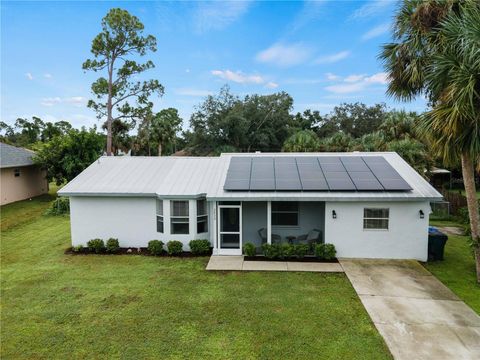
(313, 173)
(386, 174)
(262, 176)
(286, 174)
(238, 174)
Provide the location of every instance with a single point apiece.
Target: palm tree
(437, 53)
(302, 141)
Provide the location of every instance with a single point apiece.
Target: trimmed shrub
(174, 247)
(269, 251)
(319, 250)
(249, 249)
(325, 251)
(112, 245)
(155, 247)
(300, 250)
(60, 206)
(329, 252)
(199, 247)
(286, 251)
(77, 248)
(96, 245)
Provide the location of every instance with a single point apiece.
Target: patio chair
(263, 234)
(313, 237)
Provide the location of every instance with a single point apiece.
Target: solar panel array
(313, 173)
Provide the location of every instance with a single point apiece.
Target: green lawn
(71, 307)
(457, 271)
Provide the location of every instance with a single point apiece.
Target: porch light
(334, 214)
(422, 215)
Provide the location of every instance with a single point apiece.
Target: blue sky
(322, 53)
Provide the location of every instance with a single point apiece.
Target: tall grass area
(125, 306)
(457, 271)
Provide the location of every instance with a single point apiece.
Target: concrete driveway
(418, 316)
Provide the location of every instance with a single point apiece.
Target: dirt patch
(143, 251)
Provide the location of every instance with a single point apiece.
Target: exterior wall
(254, 218)
(406, 238)
(31, 182)
(130, 219)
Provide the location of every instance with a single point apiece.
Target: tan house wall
(31, 182)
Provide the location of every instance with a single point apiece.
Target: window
(202, 217)
(160, 216)
(285, 213)
(179, 217)
(375, 219)
(16, 172)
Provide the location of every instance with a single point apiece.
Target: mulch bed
(143, 251)
(305, 259)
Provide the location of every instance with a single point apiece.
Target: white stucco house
(369, 205)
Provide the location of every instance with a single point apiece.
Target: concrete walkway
(418, 316)
(237, 263)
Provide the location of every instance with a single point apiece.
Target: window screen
(179, 222)
(160, 216)
(202, 216)
(375, 218)
(285, 213)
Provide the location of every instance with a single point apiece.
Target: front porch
(271, 222)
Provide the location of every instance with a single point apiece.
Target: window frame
(202, 218)
(16, 172)
(366, 218)
(296, 212)
(179, 219)
(160, 216)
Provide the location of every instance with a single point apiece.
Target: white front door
(230, 230)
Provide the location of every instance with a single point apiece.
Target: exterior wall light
(422, 215)
(334, 214)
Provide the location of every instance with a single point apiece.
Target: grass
(457, 271)
(64, 306)
(464, 194)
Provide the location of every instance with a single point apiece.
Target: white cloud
(355, 83)
(47, 76)
(284, 55)
(378, 78)
(310, 11)
(50, 101)
(271, 85)
(29, 76)
(238, 77)
(376, 31)
(371, 8)
(217, 15)
(193, 92)
(345, 88)
(73, 100)
(331, 76)
(354, 78)
(332, 58)
(187, 70)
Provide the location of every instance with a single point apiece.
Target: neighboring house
(20, 177)
(369, 205)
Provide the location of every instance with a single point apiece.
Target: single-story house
(20, 178)
(369, 205)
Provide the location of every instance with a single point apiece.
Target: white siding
(406, 238)
(131, 220)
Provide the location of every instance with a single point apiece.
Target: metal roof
(12, 156)
(183, 177)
